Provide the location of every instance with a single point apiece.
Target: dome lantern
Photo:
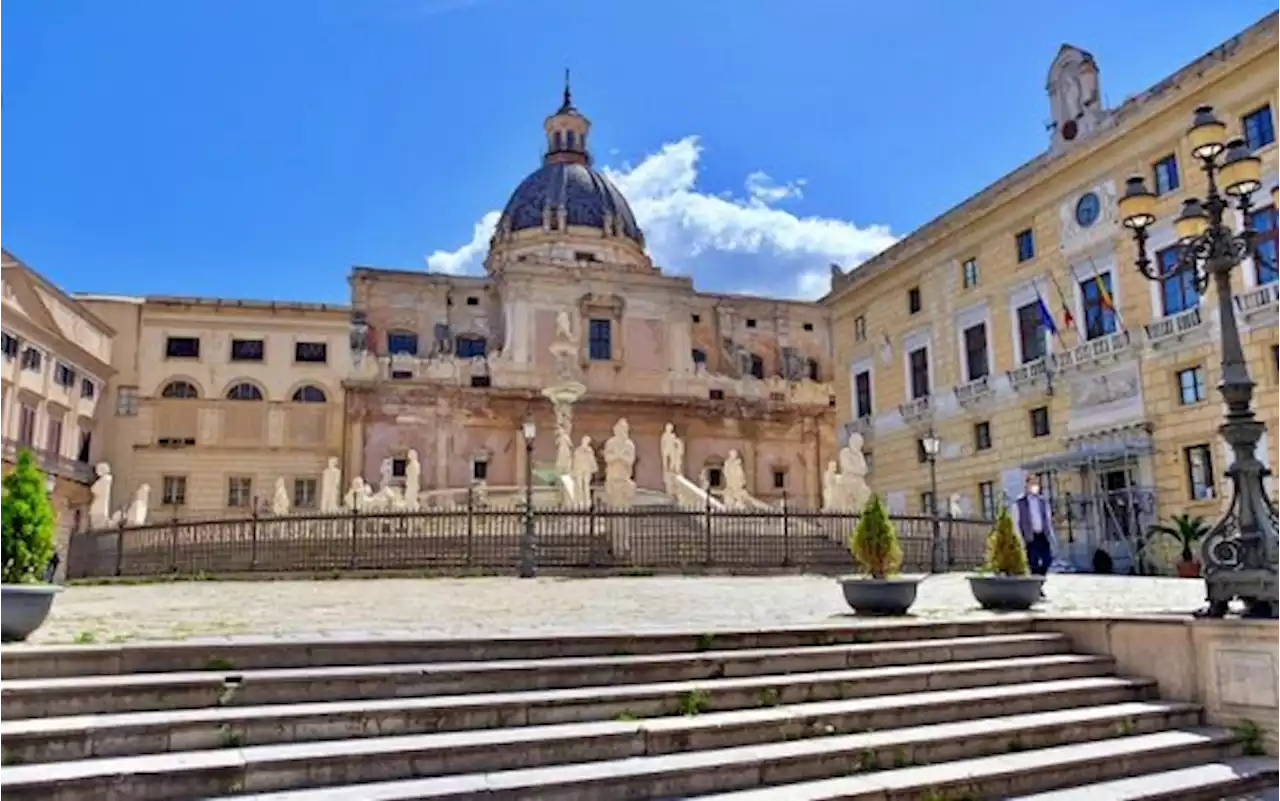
(567, 133)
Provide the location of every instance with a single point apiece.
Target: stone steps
(1209, 782)
(893, 710)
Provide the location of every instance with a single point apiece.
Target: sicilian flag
(1068, 319)
(1103, 294)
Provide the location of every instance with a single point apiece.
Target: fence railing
(473, 538)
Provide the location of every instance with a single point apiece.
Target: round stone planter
(1007, 593)
(880, 597)
(23, 608)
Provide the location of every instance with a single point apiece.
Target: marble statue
(735, 482)
(854, 491)
(585, 467)
(564, 448)
(137, 512)
(331, 487)
(954, 508)
(385, 473)
(831, 488)
(357, 495)
(100, 505)
(672, 457)
(619, 462)
(564, 327)
(412, 480)
(280, 499)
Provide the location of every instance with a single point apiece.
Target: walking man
(1035, 522)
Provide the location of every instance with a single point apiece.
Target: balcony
(1027, 376)
(1259, 303)
(863, 426)
(1098, 351)
(975, 392)
(53, 463)
(1175, 328)
(916, 410)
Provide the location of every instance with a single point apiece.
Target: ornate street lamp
(1240, 552)
(528, 560)
(932, 445)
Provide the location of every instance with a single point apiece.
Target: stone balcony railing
(52, 463)
(1258, 303)
(863, 426)
(1175, 327)
(1026, 376)
(1096, 351)
(972, 393)
(914, 411)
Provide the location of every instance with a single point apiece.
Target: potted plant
(877, 553)
(1187, 530)
(28, 546)
(1006, 582)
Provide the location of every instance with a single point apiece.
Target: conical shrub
(1006, 553)
(27, 519)
(874, 543)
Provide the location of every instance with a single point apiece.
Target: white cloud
(715, 237)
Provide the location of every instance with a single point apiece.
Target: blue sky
(242, 148)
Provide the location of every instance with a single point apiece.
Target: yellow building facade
(1115, 403)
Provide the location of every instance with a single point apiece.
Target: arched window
(699, 356)
(309, 394)
(179, 389)
(558, 142)
(469, 346)
(569, 139)
(405, 342)
(757, 366)
(244, 391)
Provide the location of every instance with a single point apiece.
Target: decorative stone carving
(585, 467)
(358, 495)
(137, 512)
(331, 487)
(564, 439)
(735, 483)
(831, 488)
(100, 505)
(619, 462)
(672, 457)
(851, 490)
(954, 507)
(1099, 390)
(412, 480)
(385, 473)
(280, 499)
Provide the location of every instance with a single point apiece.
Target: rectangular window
(987, 499)
(1040, 421)
(402, 342)
(807, 326)
(182, 348)
(53, 436)
(1177, 290)
(862, 394)
(969, 273)
(1191, 385)
(919, 365)
(481, 381)
(926, 503)
(715, 394)
(1165, 173)
(87, 388)
(860, 329)
(480, 470)
(401, 375)
(922, 453)
(1263, 221)
(32, 360)
(398, 467)
(304, 493)
(975, 351)
(779, 479)
(1258, 127)
(1031, 332)
(913, 300)
(1025, 241)
(173, 491)
(63, 375)
(473, 301)
(600, 340)
(1099, 317)
(311, 352)
(1199, 462)
(26, 426)
(10, 345)
(751, 322)
(86, 447)
(470, 347)
(239, 492)
(982, 436)
(715, 477)
(126, 401)
(248, 350)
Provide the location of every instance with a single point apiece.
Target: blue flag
(1045, 316)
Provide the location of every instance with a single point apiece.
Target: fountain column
(566, 390)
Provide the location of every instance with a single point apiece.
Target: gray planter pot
(1008, 593)
(867, 596)
(23, 608)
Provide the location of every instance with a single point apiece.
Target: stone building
(451, 366)
(56, 367)
(1117, 407)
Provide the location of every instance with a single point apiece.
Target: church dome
(566, 191)
(588, 198)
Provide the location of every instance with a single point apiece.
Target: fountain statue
(619, 462)
(672, 458)
(566, 390)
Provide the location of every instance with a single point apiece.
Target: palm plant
(1185, 529)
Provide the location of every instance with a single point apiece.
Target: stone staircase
(974, 710)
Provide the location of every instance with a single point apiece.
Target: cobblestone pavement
(488, 606)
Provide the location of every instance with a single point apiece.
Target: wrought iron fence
(474, 538)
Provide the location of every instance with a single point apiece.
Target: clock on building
(1087, 208)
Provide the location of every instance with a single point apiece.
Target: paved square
(487, 606)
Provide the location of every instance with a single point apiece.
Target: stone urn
(880, 597)
(23, 609)
(1006, 593)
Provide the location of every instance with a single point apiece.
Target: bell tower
(567, 133)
